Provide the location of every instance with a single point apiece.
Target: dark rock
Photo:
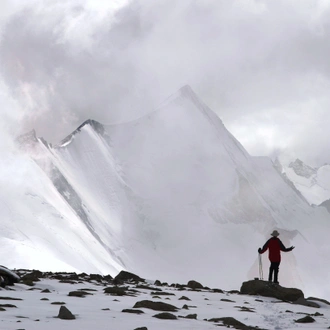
(45, 291)
(306, 319)
(165, 316)
(68, 281)
(305, 302)
(28, 282)
(2, 309)
(185, 306)
(46, 299)
(33, 276)
(116, 291)
(317, 314)
(194, 285)
(267, 289)
(58, 303)
(124, 276)
(162, 293)
(142, 328)
(87, 290)
(133, 311)
(318, 299)
(108, 278)
(184, 298)
(155, 305)
(227, 300)
(9, 298)
(96, 277)
(158, 283)
(9, 277)
(65, 314)
(191, 316)
(8, 305)
(80, 294)
(228, 321)
(217, 291)
(245, 309)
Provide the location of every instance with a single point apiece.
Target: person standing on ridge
(274, 246)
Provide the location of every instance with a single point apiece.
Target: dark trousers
(274, 266)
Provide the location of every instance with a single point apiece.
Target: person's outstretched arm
(284, 249)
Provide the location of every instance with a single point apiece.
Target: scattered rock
(142, 328)
(65, 314)
(217, 291)
(233, 292)
(318, 299)
(184, 298)
(306, 319)
(44, 299)
(304, 302)
(155, 305)
(68, 281)
(8, 305)
(58, 303)
(9, 298)
(124, 276)
(45, 291)
(133, 311)
(190, 316)
(195, 285)
(33, 276)
(162, 293)
(267, 289)
(230, 321)
(96, 277)
(227, 300)
(245, 309)
(116, 291)
(80, 294)
(165, 316)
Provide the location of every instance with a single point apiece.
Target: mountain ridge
(169, 193)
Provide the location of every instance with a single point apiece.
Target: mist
(261, 66)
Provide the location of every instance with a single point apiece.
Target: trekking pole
(261, 274)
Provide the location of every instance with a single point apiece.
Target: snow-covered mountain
(172, 195)
(313, 183)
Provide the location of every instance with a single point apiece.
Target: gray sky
(262, 66)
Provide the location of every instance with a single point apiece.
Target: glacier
(172, 195)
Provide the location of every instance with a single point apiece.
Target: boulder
(124, 276)
(165, 316)
(65, 314)
(155, 305)
(306, 319)
(269, 289)
(194, 285)
(80, 294)
(116, 290)
(132, 311)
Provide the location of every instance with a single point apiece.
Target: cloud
(262, 66)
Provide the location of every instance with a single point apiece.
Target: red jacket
(274, 247)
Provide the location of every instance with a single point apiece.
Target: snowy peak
(96, 126)
(302, 169)
(313, 183)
